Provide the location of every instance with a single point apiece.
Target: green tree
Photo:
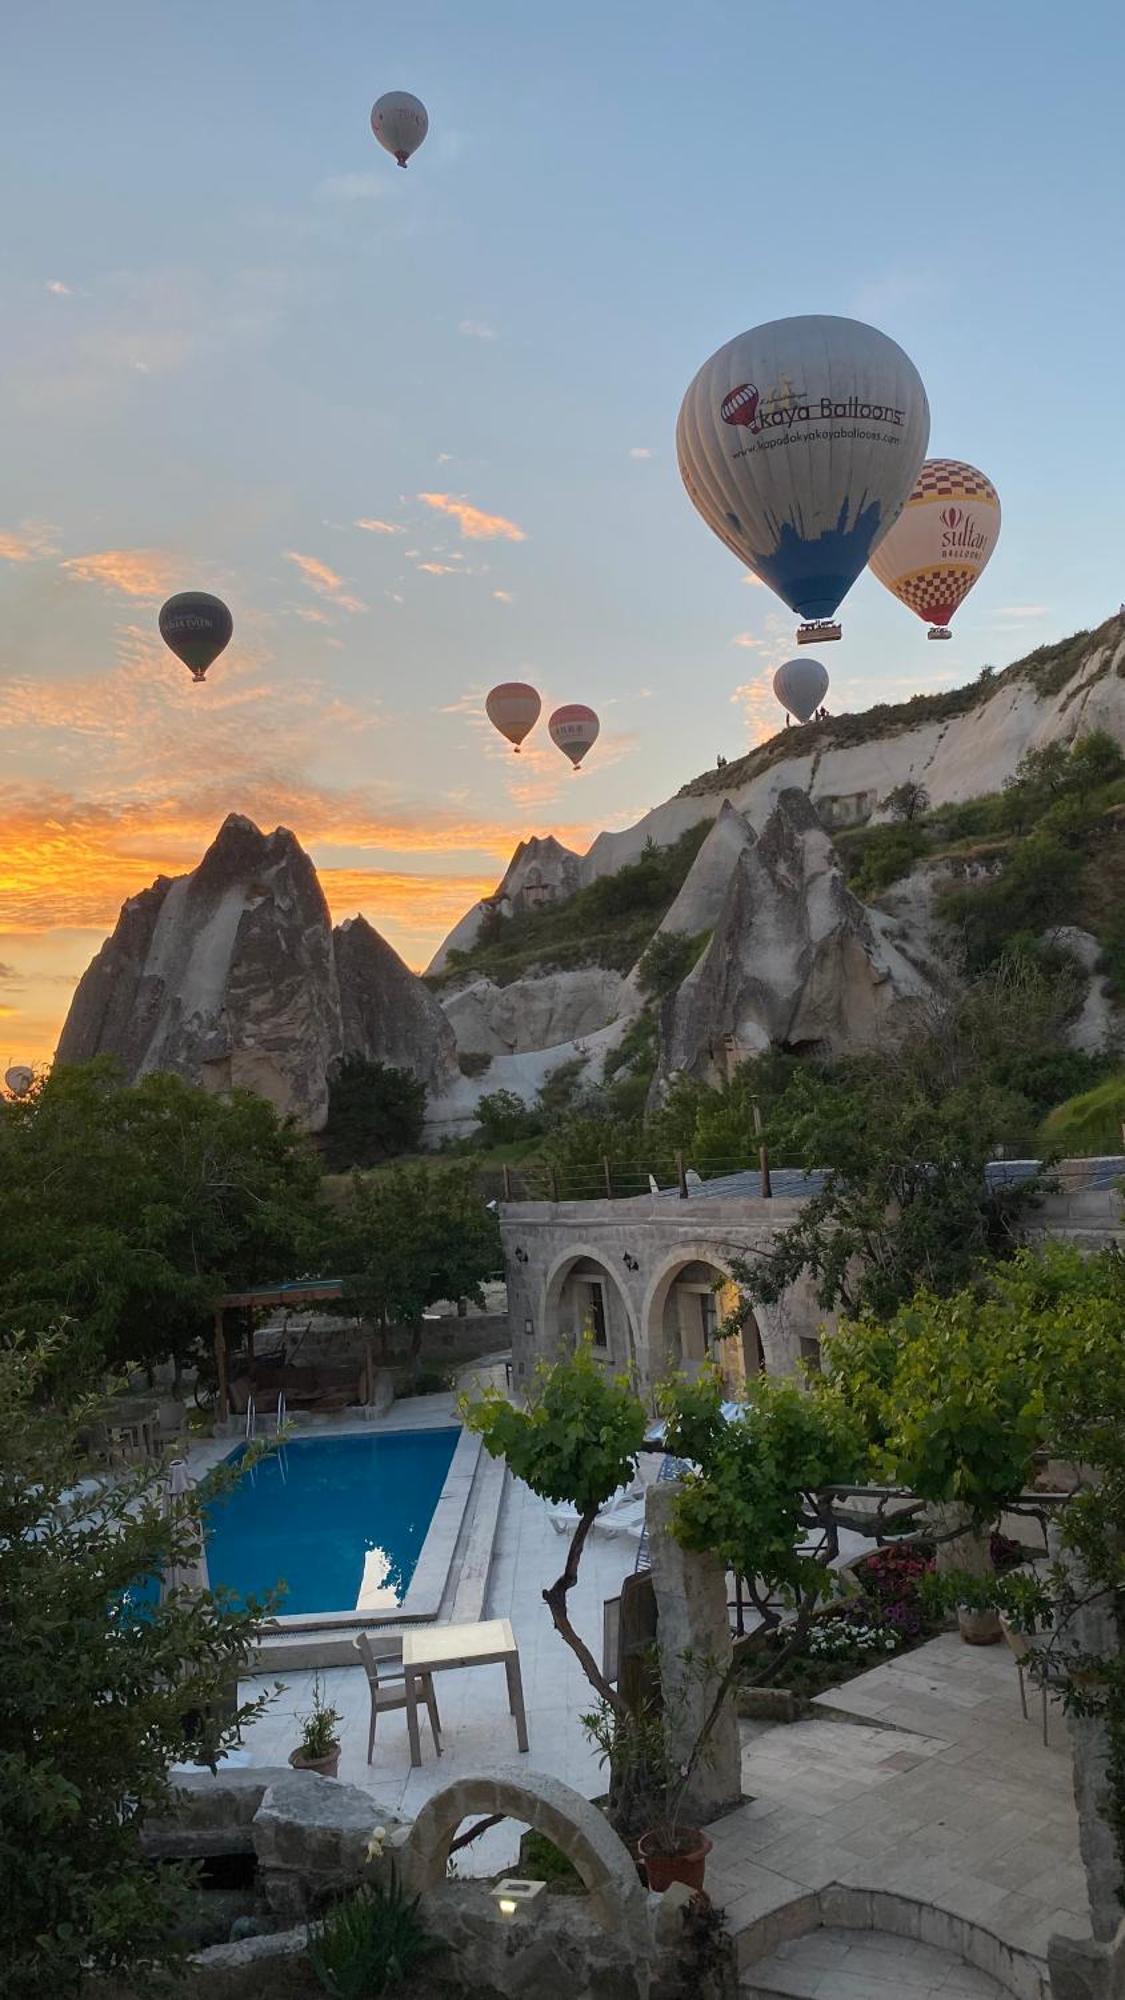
(128, 1210)
(907, 801)
(406, 1237)
(374, 1112)
(96, 1704)
(503, 1117)
(667, 961)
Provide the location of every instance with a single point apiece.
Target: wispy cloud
(1023, 610)
(147, 573)
(639, 451)
(477, 329)
(320, 578)
(27, 543)
(440, 569)
(749, 641)
(59, 290)
(758, 703)
(503, 597)
(749, 577)
(371, 526)
(352, 187)
(475, 524)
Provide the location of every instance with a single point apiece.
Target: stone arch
(576, 1827)
(686, 1267)
(559, 1329)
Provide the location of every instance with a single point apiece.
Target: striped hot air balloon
(941, 541)
(513, 708)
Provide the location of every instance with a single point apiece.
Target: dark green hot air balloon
(196, 626)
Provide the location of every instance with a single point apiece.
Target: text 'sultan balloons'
(19, 1079)
(941, 541)
(196, 627)
(800, 686)
(513, 708)
(799, 442)
(400, 122)
(574, 730)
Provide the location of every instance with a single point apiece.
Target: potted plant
(647, 1796)
(319, 1748)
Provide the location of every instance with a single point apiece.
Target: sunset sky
(417, 428)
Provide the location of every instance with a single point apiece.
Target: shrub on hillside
(375, 1111)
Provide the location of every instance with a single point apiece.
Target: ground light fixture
(514, 1895)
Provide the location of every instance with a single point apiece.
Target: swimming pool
(339, 1521)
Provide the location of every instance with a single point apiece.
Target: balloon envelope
(800, 686)
(400, 122)
(196, 626)
(942, 539)
(19, 1079)
(799, 442)
(574, 730)
(513, 708)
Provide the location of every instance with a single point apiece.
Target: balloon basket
(817, 630)
(939, 632)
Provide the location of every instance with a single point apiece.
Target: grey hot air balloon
(400, 122)
(800, 686)
(196, 627)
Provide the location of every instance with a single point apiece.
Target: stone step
(826, 1964)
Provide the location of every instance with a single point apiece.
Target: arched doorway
(584, 1300)
(691, 1303)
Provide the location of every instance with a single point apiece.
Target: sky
(418, 428)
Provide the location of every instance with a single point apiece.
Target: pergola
(301, 1292)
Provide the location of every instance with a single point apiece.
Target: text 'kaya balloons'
(513, 708)
(574, 730)
(941, 541)
(196, 627)
(400, 122)
(800, 686)
(799, 442)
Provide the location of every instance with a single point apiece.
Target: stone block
(311, 1836)
(1087, 1968)
(693, 1636)
(850, 1908)
(899, 1915)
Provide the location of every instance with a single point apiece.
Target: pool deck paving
(934, 1787)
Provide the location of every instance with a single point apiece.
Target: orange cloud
(27, 543)
(475, 525)
(319, 577)
(374, 527)
(503, 597)
(145, 573)
(759, 709)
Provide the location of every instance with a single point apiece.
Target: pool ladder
(252, 1415)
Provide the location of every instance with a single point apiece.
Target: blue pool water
(329, 1517)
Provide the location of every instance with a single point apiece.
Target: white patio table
(434, 1649)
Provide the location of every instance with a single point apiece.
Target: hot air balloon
(800, 686)
(196, 626)
(941, 541)
(799, 443)
(400, 122)
(19, 1079)
(513, 708)
(574, 730)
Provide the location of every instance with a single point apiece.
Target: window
(592, 1301)
(810, 1352)
(709, 1316)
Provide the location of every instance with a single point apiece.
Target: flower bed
(856, 1632)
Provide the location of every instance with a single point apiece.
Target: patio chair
(382, 1663)
(1049, 1677)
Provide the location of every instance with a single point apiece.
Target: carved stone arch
(551, 1296)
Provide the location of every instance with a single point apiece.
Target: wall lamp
(521, 1256)
(630, 1263)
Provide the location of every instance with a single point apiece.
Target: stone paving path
(939, 1791)
(866, 1965)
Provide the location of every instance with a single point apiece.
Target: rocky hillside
(234, 976)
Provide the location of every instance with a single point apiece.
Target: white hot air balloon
(19, 1079)
(799, 442)
(574, 730)
(941, 541)
(513, 708)
(800, 686)
(400, 122)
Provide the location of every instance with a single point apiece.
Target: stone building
(650, 1277)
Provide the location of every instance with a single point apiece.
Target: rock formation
(232, 976)
(794, 961)
(540, 871)
(536, 1013)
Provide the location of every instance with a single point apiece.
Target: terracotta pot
(980, 1628)
(664, 1869)
(327, 1767)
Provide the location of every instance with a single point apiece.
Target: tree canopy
(374, 1112)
